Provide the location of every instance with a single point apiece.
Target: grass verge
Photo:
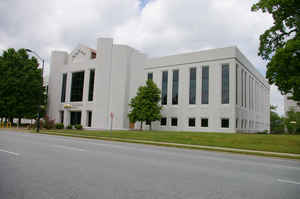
(257, 142)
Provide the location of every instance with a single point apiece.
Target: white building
(290, 105)
(215, 90)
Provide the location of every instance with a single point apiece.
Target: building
(215, 90)
(290, 105)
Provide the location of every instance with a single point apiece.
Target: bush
(70, 127)
(78, 126)
(59, 126)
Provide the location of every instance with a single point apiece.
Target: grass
(260, 142)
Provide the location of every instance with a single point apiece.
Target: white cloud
(162, 27)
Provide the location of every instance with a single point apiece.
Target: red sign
(111, 114)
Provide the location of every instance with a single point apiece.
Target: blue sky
(143, 3)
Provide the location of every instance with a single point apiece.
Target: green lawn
(261, 142)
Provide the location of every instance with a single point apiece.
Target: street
(36, 166)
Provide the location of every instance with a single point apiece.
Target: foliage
(69, 126)
(78, 126)
(280, 44)
(276, 122)
(292, 122)
(59, 126)
(145, 106)
(21, 86)
(48, 124)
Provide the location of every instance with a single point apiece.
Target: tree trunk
(150, 127)
(141, 126)
(19, 122)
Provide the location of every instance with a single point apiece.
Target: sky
(155, 27)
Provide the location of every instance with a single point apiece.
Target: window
(237, 123)
(75, 117)
(150, 76)
(61, 116)
(245, 91)
(192, 96)
(77, 86)
(164, 89)
(225, 84)
(63, 88)
(192, 122)
(163, 121)
(204, 122)
(91, 85)
(205, 85)
(242, 86)
(89, 118)
(225, 123)
(175, 87)
(236, 84)
(242, 124)
(174, 121)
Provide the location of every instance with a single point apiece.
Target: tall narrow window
(175, 87)
(164, 89)
(77, 86)
(75, 117)
(91, 85)
(225, 84)
(192, 96)
(89, 118)
(236, 84)
(63, 88)
(205, 85)
(242, 86)
(150, 76)
(245, 89)
(249, 87)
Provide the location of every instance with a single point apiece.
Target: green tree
(280, 45)
(21, 86)
(276, 122)
(292, 122)
(145, 105)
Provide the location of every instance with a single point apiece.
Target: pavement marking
(68, 147)
(12, 153)
(288, 181)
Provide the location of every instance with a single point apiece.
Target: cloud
(156, 27)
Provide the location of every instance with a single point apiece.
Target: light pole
(39, 109)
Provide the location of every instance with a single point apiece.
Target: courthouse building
(216, 90)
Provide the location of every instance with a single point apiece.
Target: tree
(276, 122)
(145, 105)
(21, 85)
(292, 122)
(280, 45)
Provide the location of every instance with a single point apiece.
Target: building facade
(215, 90)
(290, 105)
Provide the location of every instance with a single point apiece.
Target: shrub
(69, 126)
(59, 126)
(78, 126)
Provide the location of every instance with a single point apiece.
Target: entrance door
(75, 117)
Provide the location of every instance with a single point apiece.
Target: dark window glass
(192, 96)
(245, 91)
(236, 84)
(164, 89)
(75, 117)
(192, 122)
(225, 84)
(148, 122)
(61, 116)
(63, 88)
(175, 87)
(242, 86)
(91, 85)
(77, 86)
(205, 85)
(204, 122)
(163, 121)
(89, 121)
(237, 123)
(225, 123)
(174, 121)
(150, 76)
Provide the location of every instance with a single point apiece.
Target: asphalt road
(36, 166)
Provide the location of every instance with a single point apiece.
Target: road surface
(35, 166)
